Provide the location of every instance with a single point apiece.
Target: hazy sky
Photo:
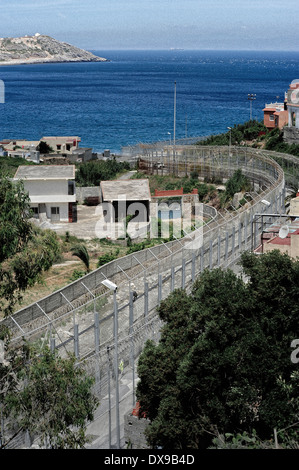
(157, 24)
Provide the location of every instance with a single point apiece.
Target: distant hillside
(40, 49)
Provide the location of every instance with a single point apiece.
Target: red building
(275, 115)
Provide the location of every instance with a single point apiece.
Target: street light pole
(174, 114)
(251, 97)
(174, 125)
(113, 287)
(116, 369)
(230, 139)
(109, 395)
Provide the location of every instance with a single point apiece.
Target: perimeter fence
(102, 327)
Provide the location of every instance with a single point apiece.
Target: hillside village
(111, 217)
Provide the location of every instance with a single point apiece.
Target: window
(271, 118)
(55, 217)
(58, 146)
(71, 188)
(35, 211)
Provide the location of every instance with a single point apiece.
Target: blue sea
(130, 99)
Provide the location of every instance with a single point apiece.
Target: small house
(52, 191)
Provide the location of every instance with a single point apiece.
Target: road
(98, 430)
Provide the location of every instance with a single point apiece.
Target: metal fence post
(183, 273)
(211, 255)
(96, 331)
(240, 237)
(76, 340)
(131, 322)
(145, 299)
(97, 345)
(233, 241)
(201, 259)
(52, 345)
(226, 246)
(172, 278)
(193, 268)
(160, 288)
(245, 232)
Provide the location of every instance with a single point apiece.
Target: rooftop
(41, 172)
(131, 190)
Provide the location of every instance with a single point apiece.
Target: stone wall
(291, 135)
(83, 193)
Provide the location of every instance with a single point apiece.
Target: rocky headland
(41, 49)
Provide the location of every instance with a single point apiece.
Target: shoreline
(48, 61)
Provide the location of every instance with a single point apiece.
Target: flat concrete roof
(131, 190)
(41, 172)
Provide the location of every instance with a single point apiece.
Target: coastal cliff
(40, 49)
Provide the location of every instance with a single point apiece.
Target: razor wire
(83, 322)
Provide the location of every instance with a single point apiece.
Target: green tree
(248, 130)
(43, 147)
(93, 172)
(81, 252)
(49, 396)
(236, 183)
(223, 352)
(25, 250)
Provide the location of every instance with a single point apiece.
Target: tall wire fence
(80, 318)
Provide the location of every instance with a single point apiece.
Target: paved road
(86, 226)
(99, 428)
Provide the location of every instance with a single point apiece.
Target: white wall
(63, 210)
(46, 187)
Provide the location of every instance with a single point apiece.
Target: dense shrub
(93, 172)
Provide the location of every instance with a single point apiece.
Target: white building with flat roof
(52, 191)
(62, 144)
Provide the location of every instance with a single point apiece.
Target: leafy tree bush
(93, 172)
(238, 182)
(43, 147)
(9, 165)
(81, 252)
(48, 396)
(247, 131)
(275, 142)
(76, 274)
(223, 363)
(107, 257)
(25, 250)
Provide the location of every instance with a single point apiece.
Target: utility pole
(174, 114)
(251, 97)
(174, 126)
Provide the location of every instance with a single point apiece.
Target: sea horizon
(130, 98)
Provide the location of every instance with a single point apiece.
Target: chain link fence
(102, 327)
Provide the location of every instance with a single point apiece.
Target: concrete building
(31, 155)
(64, 145)
(294, 206)
(288, 245)
(52, 191)
(82, 154)
(19, 144)
(282, 236)
(291, 132)
(275, 115)
(61, 145)
(120, 198)
(127, 197)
